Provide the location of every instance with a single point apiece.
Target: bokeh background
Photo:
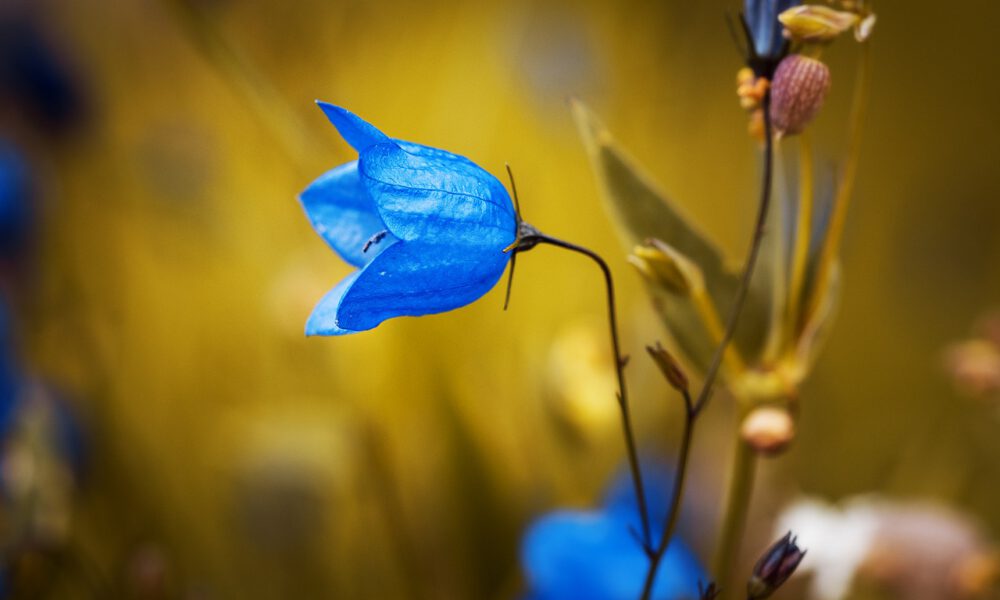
(167, 278)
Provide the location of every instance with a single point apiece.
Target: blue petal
(436, 196)
(593, 556)
(416, 278)
(340, 210)
(323, 320)
(762, 18)
(356, 131)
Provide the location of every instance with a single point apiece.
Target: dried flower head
(797, 93)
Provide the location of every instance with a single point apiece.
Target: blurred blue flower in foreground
(15, 199)
(578, 555)
(9, 379)
(426, 228)
(762, 19)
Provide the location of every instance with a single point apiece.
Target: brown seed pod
(797, 92)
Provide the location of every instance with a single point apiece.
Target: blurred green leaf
(816, 326)
(641, 211)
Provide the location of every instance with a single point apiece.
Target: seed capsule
(797, 93)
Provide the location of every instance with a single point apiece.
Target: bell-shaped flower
(426, 228)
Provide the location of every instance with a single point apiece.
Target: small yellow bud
(750, 89)
(797, 93)
(661, 264)
(816, 23)
(768, 429)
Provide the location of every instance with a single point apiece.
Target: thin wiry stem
(693, 409)
(529, 241)
(676, 498)
(751, 260)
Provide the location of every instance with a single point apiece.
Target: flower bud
(797, 93)
(768, 429)
(669, 366)
(661, 264)
(774, 568)
(816, 23)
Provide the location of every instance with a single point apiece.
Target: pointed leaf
(641, 211)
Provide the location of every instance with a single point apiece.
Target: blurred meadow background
(169, 269)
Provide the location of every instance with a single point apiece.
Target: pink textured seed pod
(797, 92)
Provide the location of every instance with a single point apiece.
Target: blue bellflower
(765, 29)
(10, 380)
(426, 228)
(15, 199)
(578, 555)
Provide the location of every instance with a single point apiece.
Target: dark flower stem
(692, 410)
(535, 237)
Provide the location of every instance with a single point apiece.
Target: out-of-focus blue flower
(426, 228)
(15, 199)
(762, 19)
(9, 377)
(578, 555)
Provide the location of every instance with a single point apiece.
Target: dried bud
(797, 93)
(669, 366)
(774, 568)
(661, 264)
(768, 429)
(816, 23)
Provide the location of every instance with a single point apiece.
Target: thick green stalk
(737, 506)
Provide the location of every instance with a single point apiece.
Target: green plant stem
(535, 237)
(693, 409)
(803, 231)
(738, 494)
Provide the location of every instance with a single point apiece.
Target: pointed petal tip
(357, 132)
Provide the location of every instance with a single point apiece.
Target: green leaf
(641, 211)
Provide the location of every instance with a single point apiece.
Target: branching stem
(693, 409)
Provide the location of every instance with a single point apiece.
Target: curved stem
(633, 455)
(694, 408)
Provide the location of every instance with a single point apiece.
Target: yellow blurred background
(232, 457)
